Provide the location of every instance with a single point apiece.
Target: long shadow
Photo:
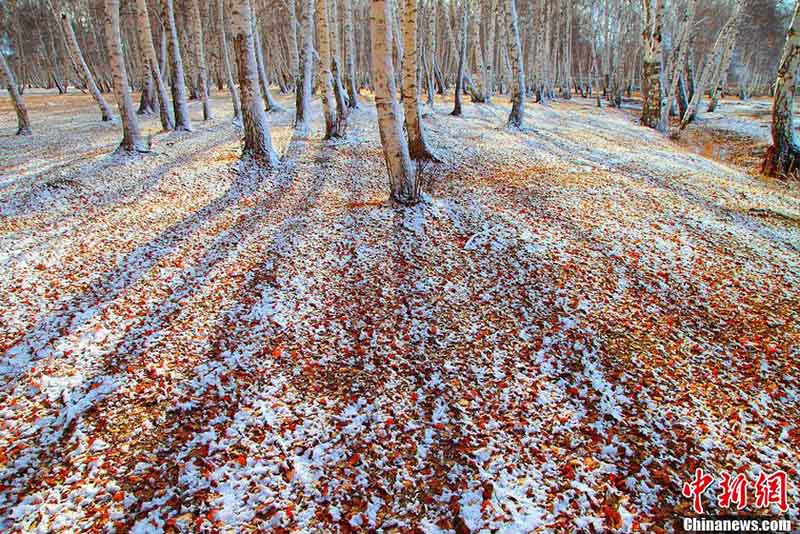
(122, 360)
(80, 309)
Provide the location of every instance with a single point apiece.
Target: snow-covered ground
(578, 315)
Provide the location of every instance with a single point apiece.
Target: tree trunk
(782, 157)
(431, 51)
(515, 57)
(478, 93)
(403, 183)
(417, 146)
(681, 53)
(151, 64)
(23, 122)
(223, 45)
(131, 137)
(651, 65)
(350, 55)
(711, 64)
(335, 125)
(303, 89)
(179, 99)
(257, 138)
(80, 63)
(270, 103)
(462, 61)
(200, 58)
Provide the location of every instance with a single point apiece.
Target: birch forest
(399, 266)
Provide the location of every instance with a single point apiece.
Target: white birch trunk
(131, 137)
(23, 122)
(80, 64)
(151, 64)
(200, 58)
(257, 138)
(417, 146)
(404, 189)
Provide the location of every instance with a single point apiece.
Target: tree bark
(782, 157)
(223, 45)
(417, 145)
(350, 55)
(179, 98)
(257, 138)
(478, 93)
(404, 187)
(200, 58)
(681, 53)
(517, 114)
(711, 65)
(151, 64)
(651, 64)
(23, 122)
(303, 89)
(462, 60)
(80, 63)
(131, 137)
(335, 125)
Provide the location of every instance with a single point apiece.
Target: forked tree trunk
(515, 57)
(335, 125)
(417, 146)
(151, 64)
(179, 98)
(269, 102)
(721, 73)
(404, 189)
(350, 55)
(478, 92)
(200, 58)
(23, 122)
(303, 89)
(336, 61)
(782, 157)
(711, 65)
(223, 45)
(681, 53)
(431, 51)
(131, 137)
(294, 48)
(257, 138)
(80, 63)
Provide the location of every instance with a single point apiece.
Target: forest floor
(579, 315)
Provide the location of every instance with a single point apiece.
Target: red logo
(769, 489)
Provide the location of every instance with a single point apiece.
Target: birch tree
(200, 57)
(712, 63)
(417, 145)
(83, 68)
(226, 60)
(517, 113)
(303, 89)
(404, 187)
(782, 157)
(151, 64)
(680, 54)
(179, 98)
(350, 55)
(257, 138)
(335, 124)
(23, 122)
(131, 137)
(651, 64)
